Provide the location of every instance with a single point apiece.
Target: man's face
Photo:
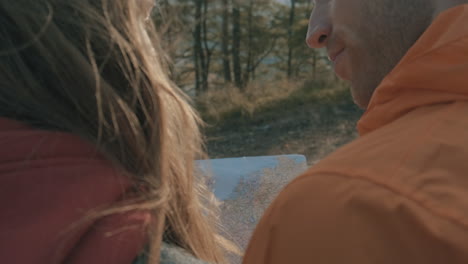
(365, 39)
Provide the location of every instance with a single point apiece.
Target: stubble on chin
(392, 28)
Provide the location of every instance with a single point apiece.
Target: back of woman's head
(94, 68)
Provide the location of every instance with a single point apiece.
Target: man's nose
(318, 34)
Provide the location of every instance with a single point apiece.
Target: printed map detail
(246, 187)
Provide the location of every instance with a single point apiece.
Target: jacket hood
(434, 71)
(49, 182)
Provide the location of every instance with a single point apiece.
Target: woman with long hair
(97, 145)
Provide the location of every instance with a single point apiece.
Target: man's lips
(337, 57)
(332, 56)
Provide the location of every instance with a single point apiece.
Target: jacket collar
(434, 71)
(20, 142)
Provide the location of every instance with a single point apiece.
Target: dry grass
(310, 117)
(230, 102)
(217, 103)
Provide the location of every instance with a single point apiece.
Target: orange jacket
(398, 194)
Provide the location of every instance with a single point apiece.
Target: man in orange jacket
(399, 193)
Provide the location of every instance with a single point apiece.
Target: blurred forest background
(257, 85)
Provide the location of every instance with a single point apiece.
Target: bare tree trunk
(199, 53)
(236, 42)
(225, 42)
(262, 57)
(314, 69)
(248, 70)
(206, 49)
(197, 47)
(290, 37)
(202, 51)
(168, 10)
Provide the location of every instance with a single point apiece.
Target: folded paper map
(246, 187)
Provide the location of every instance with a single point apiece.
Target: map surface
(246, 187)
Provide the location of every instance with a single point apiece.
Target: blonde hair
(94, 68)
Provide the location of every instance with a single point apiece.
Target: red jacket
(48, 182)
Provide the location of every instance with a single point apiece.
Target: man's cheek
(345, 11)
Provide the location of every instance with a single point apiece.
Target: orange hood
(434, 71)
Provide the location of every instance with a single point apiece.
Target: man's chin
(360, 104)
(341, 74)
(360, 99)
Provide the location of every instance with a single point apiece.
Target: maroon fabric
(48, 182)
